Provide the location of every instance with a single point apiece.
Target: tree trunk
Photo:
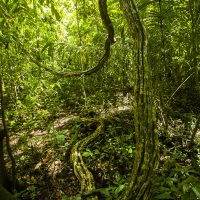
(4, 180)
(146, 156)
(6, 184)
(2, 164)
(5, 195)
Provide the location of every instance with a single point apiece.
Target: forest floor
(43, 156)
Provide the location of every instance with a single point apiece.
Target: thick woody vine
(146, 156)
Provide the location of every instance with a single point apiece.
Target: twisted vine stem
(80, 169)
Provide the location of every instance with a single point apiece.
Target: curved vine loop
(106, 20)
(109, 41)
(80, 169)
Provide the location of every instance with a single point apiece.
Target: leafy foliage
(68, 36)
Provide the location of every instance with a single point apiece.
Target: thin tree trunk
(4, 180)
(2, 164)
(4, 133)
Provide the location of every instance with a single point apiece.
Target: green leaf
(34, 86)
(196, 191)
(19, 102)
(193, 171)
(52, 85)
(57, 15)
(186, 187)
(74, 136)
(165, 195)
(1, 20)
(119, 189)
(185, 196)
(50, 51)
(52, 9)
(130, 150)
(96, 151)
(174, 189)
(105, 192)
(55, 12)
(87, 154)
(41, 2)
(116, 11)
(58, 84)
(14, 7)
(61, 139)
(29, 102)
(12, 123)
(46, 46)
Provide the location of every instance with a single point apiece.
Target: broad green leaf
(1, 20)
(86, 154)
(196, 190)
(186, 187)
(174, 189)
(193, 171)
(119, 189)
(52, 85)
(55, 12)
(105, 192)
(116, 11)
(185, 196)
(96, 151)
(19, 102)
(12, 123)
(130, 150)
(57, 15)
(165, 196)
(52, 9)
(61, 139)
(74, 137)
